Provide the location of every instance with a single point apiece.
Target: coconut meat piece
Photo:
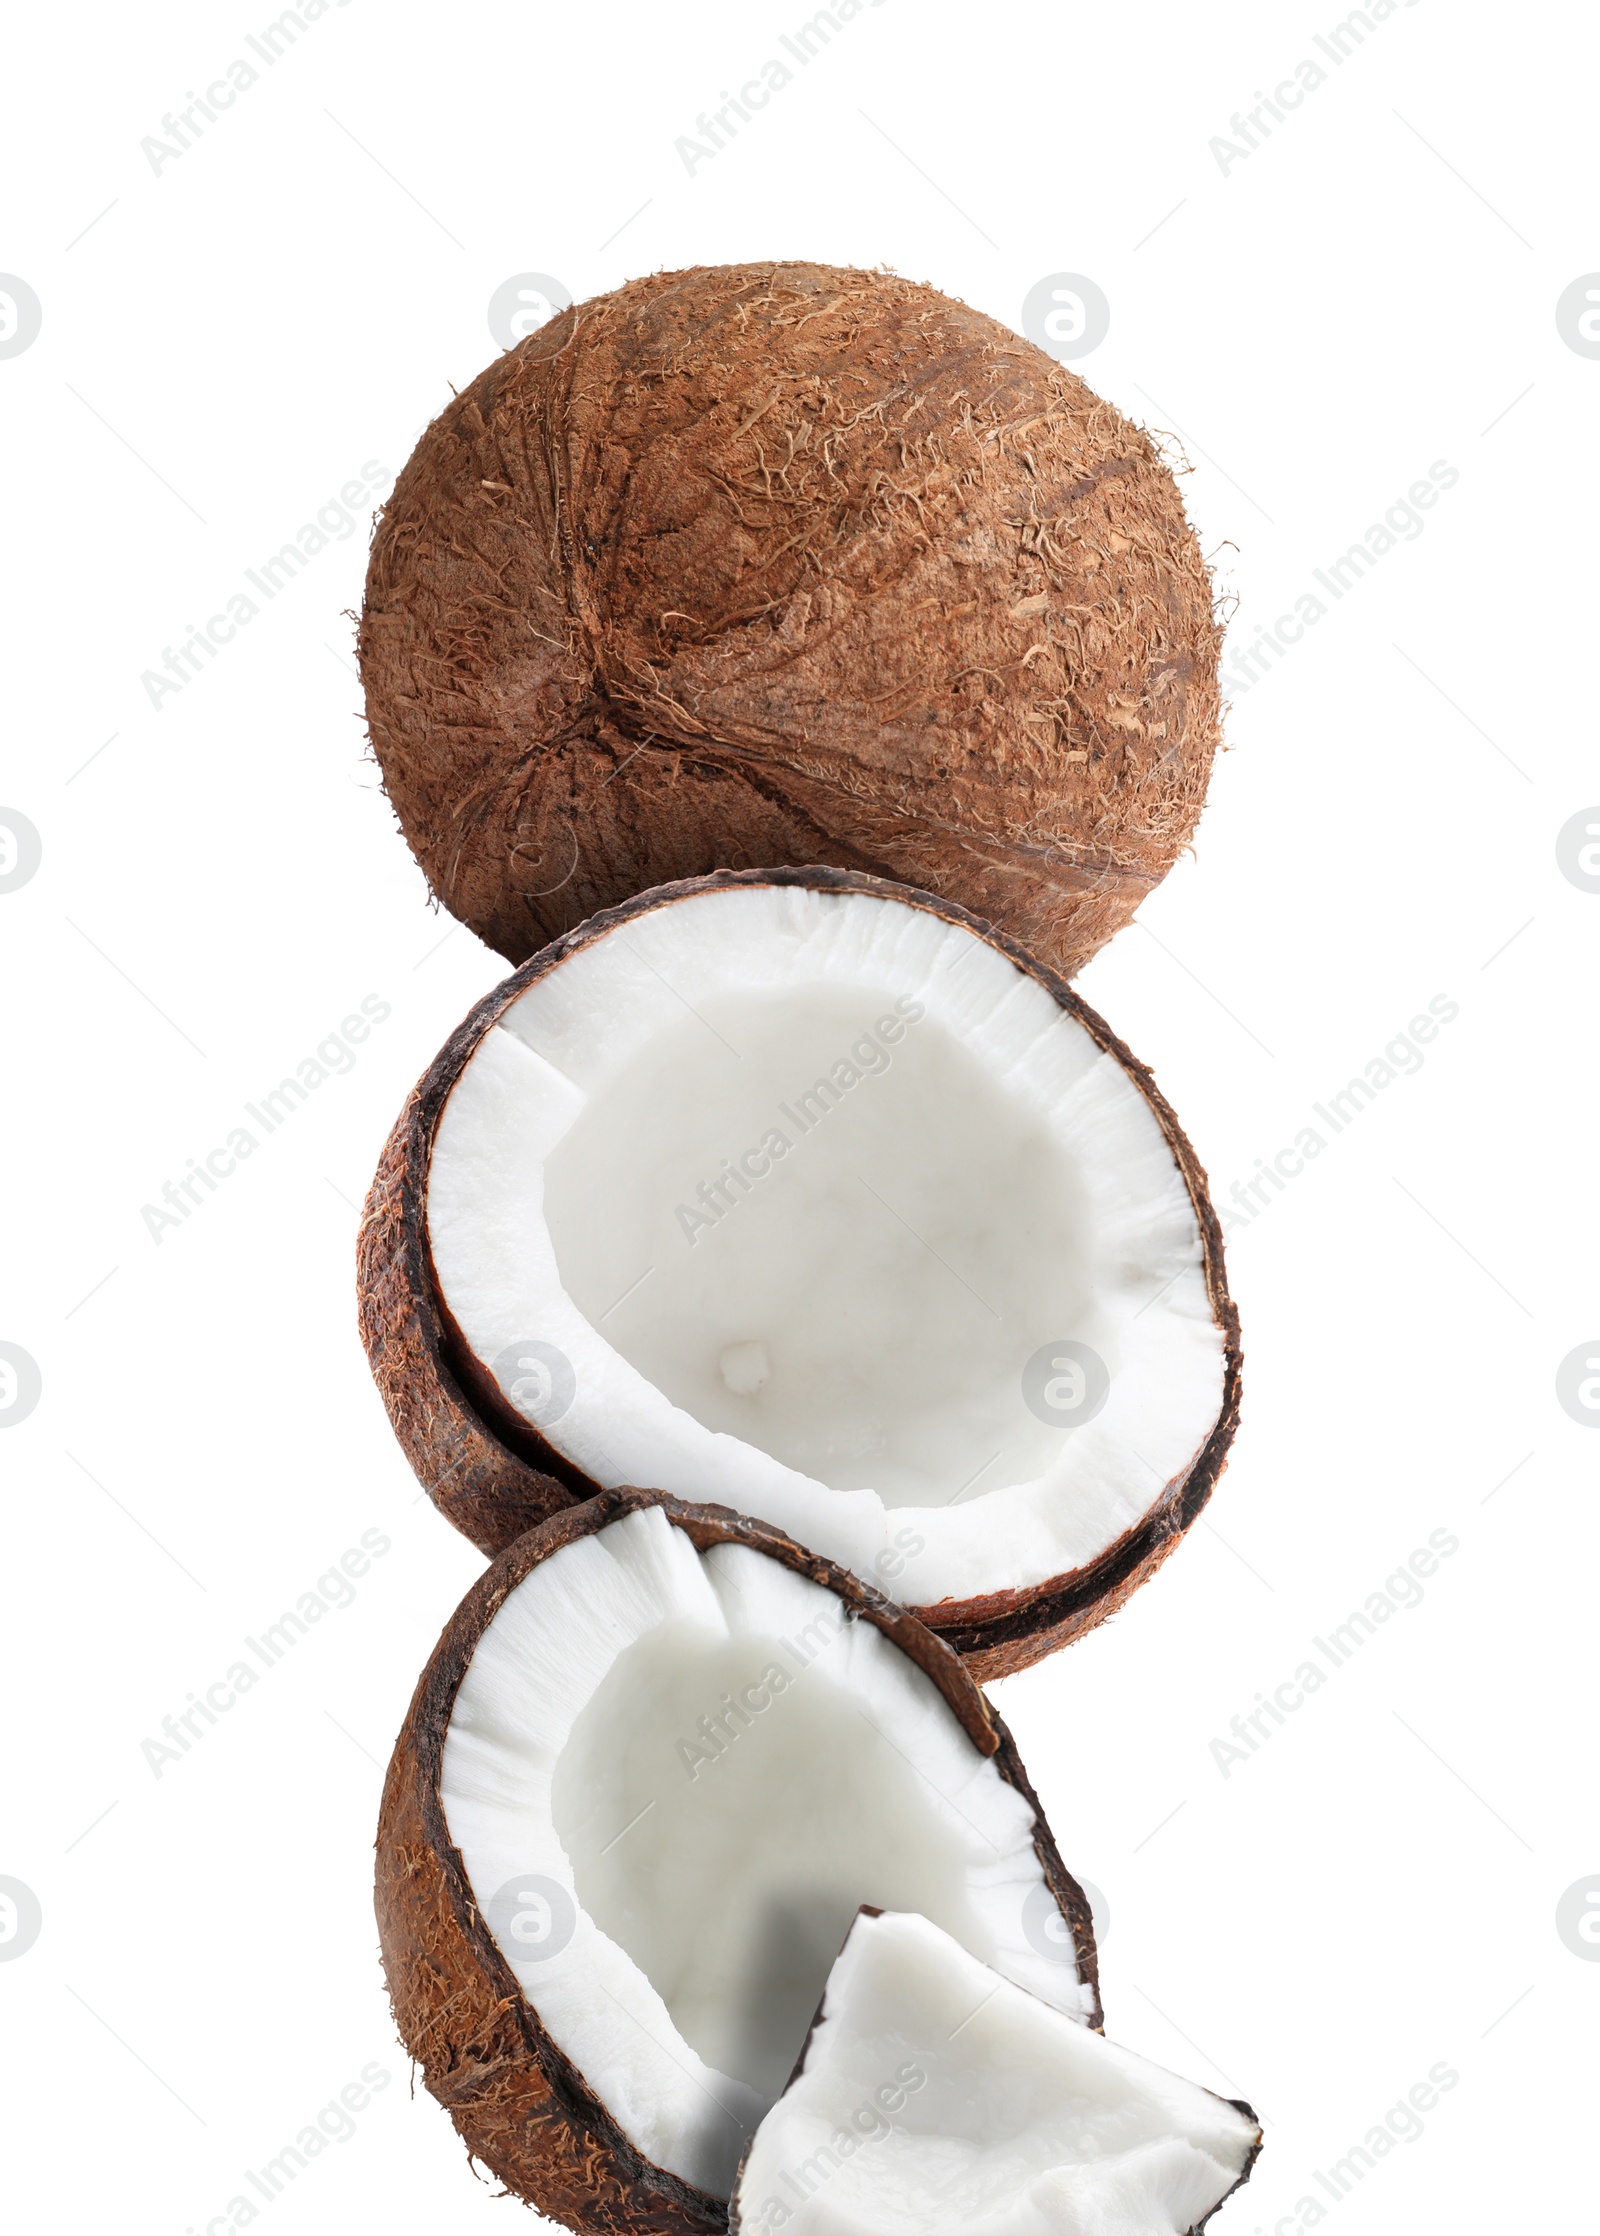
(789, 1199)
(934, 2096)
(672, 1779)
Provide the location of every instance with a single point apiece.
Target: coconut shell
(493, 1475)
(783, 564)
(518, 2103)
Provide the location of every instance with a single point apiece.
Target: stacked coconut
(808, 1301)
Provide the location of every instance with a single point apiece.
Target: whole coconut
(769, 565)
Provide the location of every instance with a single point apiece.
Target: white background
(1373, 1891)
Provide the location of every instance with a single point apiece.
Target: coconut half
(936, 2098)
(815, 1196)
(657, 1762)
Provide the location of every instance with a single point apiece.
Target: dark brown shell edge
(492, 1474)
(518, 2103)
(1245, 2171)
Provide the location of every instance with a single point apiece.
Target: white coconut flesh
(673, 1779)
(815, 1205)
(937, 2097)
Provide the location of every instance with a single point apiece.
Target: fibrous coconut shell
(777, 564)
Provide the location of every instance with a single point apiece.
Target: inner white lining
(570, 1142)
(937, 2097)
(667, 1902)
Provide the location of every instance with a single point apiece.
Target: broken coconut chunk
(935, 2097)
(658, 1760)
(813, 1195)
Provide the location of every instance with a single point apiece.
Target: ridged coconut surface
(517, 2101)
(493, 1475)
(772, 564)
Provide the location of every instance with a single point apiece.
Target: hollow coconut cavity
(789, 563)
(935, 2097)
(814, 1196)
(659, 1759)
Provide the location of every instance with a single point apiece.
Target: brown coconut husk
(518, 2103)
(783, 563)
(493, 1475)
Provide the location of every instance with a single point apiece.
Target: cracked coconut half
(935, 2097)
(658, 1761)
(812, 1195)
